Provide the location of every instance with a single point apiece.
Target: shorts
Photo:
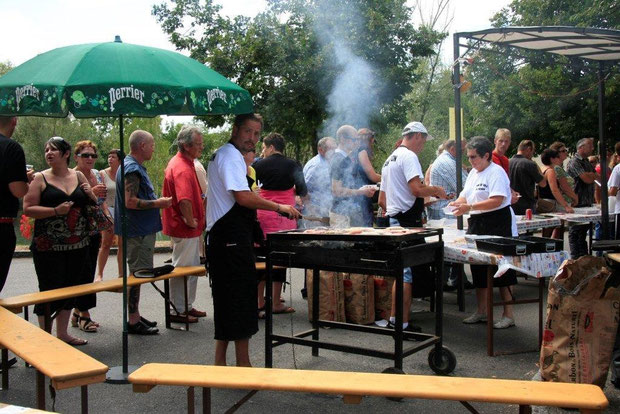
(407, 274)
(140, 252)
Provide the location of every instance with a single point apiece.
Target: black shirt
(12, 168)
(524, 175)
(279, 173)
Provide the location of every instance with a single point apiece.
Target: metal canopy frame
(598, 45)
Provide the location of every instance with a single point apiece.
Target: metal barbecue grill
(376, 254)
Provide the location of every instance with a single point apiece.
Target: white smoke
(354, 97)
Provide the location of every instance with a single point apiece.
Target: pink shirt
(181, 183)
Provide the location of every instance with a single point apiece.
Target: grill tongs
(322, 220)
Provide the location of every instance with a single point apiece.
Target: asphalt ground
(197, 347)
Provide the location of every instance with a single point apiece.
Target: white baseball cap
(416, 126)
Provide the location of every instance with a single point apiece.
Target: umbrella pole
(119, 375)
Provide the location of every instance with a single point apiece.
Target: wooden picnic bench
(17, 303)
(66, 366)
(355, 385)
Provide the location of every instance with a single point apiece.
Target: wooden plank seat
(17, 303)
(66, 366)
(354, 385)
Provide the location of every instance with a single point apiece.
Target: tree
(293, 56)
(542, 96)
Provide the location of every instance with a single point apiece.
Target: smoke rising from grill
(353, 97)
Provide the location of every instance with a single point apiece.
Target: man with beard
(231, 213)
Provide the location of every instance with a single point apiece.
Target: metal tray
(506, 246)
(544, 244)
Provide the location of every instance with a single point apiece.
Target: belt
(7, 219)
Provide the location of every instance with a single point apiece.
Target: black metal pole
(120, 374)
(124, 247)
(603, 153)
(456, 80)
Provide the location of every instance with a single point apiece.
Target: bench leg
(5, 369)
(525, 409)
(186, 310)
(40, 391)
(190, 401)
(167, 303)
(84, 398)
(206, 400)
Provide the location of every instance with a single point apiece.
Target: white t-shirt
(481, 185)
(614, 181)
(227, 173)
(400, 168)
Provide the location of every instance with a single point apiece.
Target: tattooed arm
(132, 186)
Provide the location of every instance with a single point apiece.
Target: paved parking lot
(197, 347)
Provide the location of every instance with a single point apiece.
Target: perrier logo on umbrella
(115, 78)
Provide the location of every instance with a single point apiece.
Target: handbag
(97, 220)
(545, 206)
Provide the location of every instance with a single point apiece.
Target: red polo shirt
(502, 161)
(181, 183)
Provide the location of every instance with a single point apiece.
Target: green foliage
(283, 59)
(541, 96)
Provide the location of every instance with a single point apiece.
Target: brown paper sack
(331, 296)
(383, 297)
(582, 318)
(359, 298)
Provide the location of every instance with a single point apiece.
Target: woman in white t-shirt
(486, 196)
(614, 185)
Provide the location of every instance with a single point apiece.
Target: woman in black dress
(56, 200)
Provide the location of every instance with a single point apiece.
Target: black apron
(492, 223)
(413, 216)
(232, 270)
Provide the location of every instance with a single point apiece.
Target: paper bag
(383, 297)
(359, 298)
(582, 318)
(331, 296)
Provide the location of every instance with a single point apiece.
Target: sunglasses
(88, 155)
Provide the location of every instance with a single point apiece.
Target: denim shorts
(407, 275)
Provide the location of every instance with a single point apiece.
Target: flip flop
(286, 309)
(77, 342)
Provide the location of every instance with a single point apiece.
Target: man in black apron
(402, 198)
(231, 213)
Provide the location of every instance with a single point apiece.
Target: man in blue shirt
(318, 181)
(143, 220)
(443, 174)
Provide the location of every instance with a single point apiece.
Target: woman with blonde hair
(85, 157)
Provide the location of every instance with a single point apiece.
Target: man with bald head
(348, 188)
(143, 220)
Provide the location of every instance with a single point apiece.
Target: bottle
(528, 214)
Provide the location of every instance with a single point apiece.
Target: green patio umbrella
(118, 80)
(115, 78)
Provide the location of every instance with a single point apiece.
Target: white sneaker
(382, 323)
(504, 323)
(475, 318)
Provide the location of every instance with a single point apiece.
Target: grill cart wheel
(393, 370)
(447, 361)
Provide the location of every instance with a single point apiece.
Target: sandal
(76, 341)
(75, 320)
(87, 325)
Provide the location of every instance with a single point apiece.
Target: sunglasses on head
(87, 155)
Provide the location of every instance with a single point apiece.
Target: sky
(31, 27)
